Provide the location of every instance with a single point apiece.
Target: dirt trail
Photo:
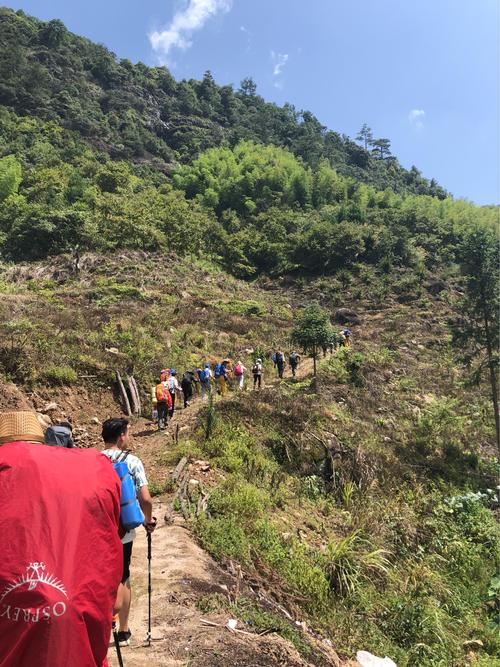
(182, 573)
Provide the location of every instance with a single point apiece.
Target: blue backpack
(219, 370)
(205, 375)
(131, 515)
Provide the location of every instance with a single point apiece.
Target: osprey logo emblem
(35, 576)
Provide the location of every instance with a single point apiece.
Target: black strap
(122, 457)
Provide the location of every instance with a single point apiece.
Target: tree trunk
(493, 377)
(123, 394)
(135, 407)
(314, 362)
(137, 395)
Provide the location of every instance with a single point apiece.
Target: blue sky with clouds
(424, 73)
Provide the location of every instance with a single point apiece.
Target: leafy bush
(60, 375)
(223, 537)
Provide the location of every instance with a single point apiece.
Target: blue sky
(424, 73)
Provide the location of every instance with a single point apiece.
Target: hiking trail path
(182, 573)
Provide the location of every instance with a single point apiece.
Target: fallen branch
(179, 468)
(123, 395)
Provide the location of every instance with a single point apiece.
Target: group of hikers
(223, 375)
(66, 547)
(203, 380)
(66, 526)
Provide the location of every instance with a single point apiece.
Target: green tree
(476, 332)
(248, 87)
(365, 135)
(312, 331)
(381, 148)
(10, 176)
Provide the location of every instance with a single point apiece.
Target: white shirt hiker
(138, 474)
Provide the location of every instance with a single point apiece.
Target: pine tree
(365, 135)
(381, 148)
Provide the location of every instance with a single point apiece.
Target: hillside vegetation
(146, 222)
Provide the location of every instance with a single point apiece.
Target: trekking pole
(117, 645)
(149, 589)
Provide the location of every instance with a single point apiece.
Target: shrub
(351, 559)
(223, 537)
(239, 499)
(60, 375)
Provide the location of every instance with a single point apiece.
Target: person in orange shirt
(163, 402)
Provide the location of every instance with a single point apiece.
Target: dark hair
(113, 428)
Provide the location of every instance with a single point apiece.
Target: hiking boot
(124, 638)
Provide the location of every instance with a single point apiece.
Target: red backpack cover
(60, 555)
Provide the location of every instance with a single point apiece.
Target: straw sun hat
(21, 425)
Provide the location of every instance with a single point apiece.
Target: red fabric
(60, 555)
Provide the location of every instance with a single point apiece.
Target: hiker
(279, 362)
(239, 374)
(116, 436)
(257, 373)
(60, 435)
(173, 388)
(205, 376)
(188, 379)
(293, 360)
(60, 552)
(220, 374)
(341, 340)
(347, 336)
(163, 403)
(196, 380)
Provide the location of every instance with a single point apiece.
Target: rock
(185, 295)
(193, 486)
(346, 316)
(204, 466)
(421, 347)
(95, 420)
(473, 644)
(50, 406)
(112, 350)
(436, 286)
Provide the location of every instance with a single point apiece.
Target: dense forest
(99, 154)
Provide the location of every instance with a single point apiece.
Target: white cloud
(416, 118)
(279, 61)
(177, 34)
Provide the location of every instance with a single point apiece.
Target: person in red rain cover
(60, 552)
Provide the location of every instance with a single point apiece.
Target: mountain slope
(142, 113)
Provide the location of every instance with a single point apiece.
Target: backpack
(205, 375)
(256, 369)
(219, 370)
(278, 358)
(131, 515)
(60, 436)
(238, 370)
(292, 359)
(160, 392)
